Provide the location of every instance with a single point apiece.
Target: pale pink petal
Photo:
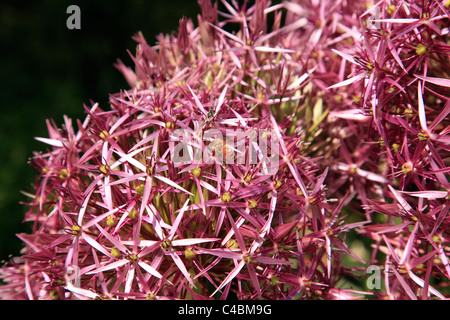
(422, 117)
(405, 205)
(110, 266)
(129, 279)
(438, 81)
(273, 203)
(421, 283)
(346, 56)
(93, 243)
(189, 242)
(408, 247)
(269, 260)
(197, 102)
(358, 77)
(394, 20)
(405, 286)
(328, 251)
(79, 292)
(221, 99)
(427, 194)
(177, 221)
(117, 243)
(181, 266)
(52, 142)
(171, 183)
(223, 253)
(149, 269)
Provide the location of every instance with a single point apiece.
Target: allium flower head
(238, 163)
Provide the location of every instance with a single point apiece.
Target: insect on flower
(209, 120)
(220, 150)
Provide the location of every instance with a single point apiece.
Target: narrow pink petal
(273, 203)
(387, 228)
(394, 20)
(221, 99)
(52, 142)
(208, 186)
(254, 277)
(405, 286)
(197, 102)
(155, 220)
(346, 56)
(129, 158)
(271, 49)
(99, 218)
(144, 141)
(237, 233)
(409, 244)
(202, 198)
(269, 260)
(129, 279)
(177, 221)
(204, 271)
(149, 269)
(146, 194)
(405, 205)
(444, 259)
(93, 243)
(56, 242)
(301, 79)
(427, 194)
(422, 117)
(117, 243)
(371, 176)
(134, 177)
(438, 81)
(293, 26)
(28, 289)
(392, 251)
(229, 35)
(395, 54)
(230, 233)
(358, 77)
(83, 208)
(328, 251)
(142, 243)
(223, 253)
(230, 8)
(188, 242)
(230, 276)
(443, 115)
(79, 292)
(421, 283)
(110, 266)
(171, 183)
(181, 266)
(351, 114)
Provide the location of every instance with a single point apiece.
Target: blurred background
(48, 71)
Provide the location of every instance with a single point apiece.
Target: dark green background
(48, 71)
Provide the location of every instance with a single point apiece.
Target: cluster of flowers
(355, 94)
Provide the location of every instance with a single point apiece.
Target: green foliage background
(48, 71)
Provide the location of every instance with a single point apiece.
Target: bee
(221, 150)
